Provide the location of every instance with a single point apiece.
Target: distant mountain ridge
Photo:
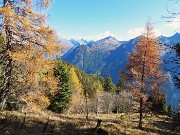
(90, 56)
(105, 44)
(107, 55)
(174, 39)
(68, 45)
(109, 43)
(80, 42)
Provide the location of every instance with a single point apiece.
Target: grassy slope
(15, 123)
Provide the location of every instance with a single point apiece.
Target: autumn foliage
(28, 73)
(144, 66)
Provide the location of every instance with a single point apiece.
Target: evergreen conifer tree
(120, 86)
(158, 102)
(62, 98)
(164, 104)
(170, 110)
(108, 85)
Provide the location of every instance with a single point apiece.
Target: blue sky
(124, 19)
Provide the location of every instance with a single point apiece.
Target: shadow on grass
(160, 132)
(161, 128)
(51, 127)
(163, 125)
(16, 126)
(166, 127)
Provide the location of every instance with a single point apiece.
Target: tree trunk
(86, 110)
(3, 103)
(97, 107)
(140, 113)
(142, 91)
(6, 88)
(117, 105)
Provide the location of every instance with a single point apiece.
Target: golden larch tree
(29, 43)
(144, 67)
(78, 98)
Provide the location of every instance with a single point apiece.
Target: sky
(123, 19)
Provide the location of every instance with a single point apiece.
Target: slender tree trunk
(117, 105)
(87, 111)
(97, 107)
(3, 102)
(140, 113)
(142, 90)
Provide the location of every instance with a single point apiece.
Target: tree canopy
(27, 40)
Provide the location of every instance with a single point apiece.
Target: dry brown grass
(16, 123)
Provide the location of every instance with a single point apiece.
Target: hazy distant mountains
(106, 56)
(105, 44)
(170, 40)
(91, 56)
(80, 42)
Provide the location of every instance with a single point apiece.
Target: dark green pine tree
(108, 85)
(170, 110)
(177, 69)
(158, 102)
(164, 103)
(61, 99)
(120, 87)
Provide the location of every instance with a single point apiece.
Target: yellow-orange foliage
(77, 95)
(97, 89)
(28, 41)
(144, 63)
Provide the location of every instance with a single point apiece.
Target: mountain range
(107, 55)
